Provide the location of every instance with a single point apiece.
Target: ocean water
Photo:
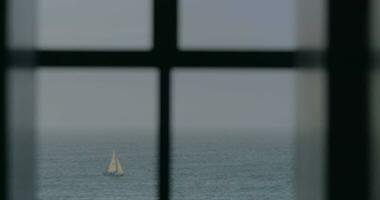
(233, 165)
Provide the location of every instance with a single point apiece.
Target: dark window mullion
(249, 59)
(97, 58)
(165, 47)
(164, 133)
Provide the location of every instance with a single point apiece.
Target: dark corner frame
(165, 55)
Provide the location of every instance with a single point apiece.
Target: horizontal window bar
(94, 58)
(234, 58)
(272, 59)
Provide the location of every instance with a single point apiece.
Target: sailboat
(114, 168)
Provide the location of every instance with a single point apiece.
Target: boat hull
(112, 174)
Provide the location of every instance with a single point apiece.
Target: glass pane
(96, 134)
(237, 24)
(94, 24)
(233, 134)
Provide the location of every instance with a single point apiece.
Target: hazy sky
(118, 24)
(92, 99)
(96, 99)
(246, 99)
(125, 99)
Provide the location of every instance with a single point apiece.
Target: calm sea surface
(207, 165)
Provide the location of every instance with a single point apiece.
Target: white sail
(113, 164)
(114, 168)
(119, 169)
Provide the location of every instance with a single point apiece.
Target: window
(170, 52)
(337, 94)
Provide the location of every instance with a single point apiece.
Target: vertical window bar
(3, 139)
(165, 28)
(165, 47)
(164, 187)
(348, 76)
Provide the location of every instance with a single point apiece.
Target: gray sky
(124, 99)
(246, 99)
(96, 99)
(120, 24)
(127, 98)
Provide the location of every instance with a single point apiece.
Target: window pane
(233, 134)
(84, 115)
(94, 24)
(237, 24)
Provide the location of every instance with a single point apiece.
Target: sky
(96, 99)
(127, 24)
(122, 99)
(116, 98)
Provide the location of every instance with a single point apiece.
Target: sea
(206, 165)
